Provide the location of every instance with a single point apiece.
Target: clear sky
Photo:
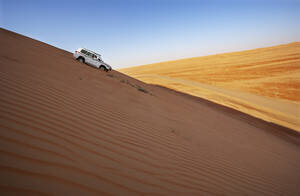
(136, 32)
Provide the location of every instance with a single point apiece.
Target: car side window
(83, 51)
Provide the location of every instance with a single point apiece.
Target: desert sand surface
(263, 82)
(69, 129)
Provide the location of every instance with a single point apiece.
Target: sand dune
(263, 82)
(69, 129)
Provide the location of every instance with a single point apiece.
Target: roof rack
(91, 51)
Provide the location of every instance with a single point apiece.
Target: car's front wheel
(102, 68)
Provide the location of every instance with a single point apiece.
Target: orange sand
(267, 80)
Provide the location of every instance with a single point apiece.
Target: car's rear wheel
(80, 59)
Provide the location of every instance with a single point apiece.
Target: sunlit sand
(263, 82)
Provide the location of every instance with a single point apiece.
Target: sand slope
(263, 82)
(69, 129)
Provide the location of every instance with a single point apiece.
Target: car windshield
(99, 57)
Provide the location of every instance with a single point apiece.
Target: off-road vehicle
(91, 58)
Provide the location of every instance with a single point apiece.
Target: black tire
(102, 68)
(81, 60)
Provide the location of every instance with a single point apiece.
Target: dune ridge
(263, 82)
(69, 129)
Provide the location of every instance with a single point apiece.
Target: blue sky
(136, 32)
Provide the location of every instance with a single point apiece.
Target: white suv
(92, 58)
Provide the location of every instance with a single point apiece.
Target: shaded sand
(69, 129)
(263, 82)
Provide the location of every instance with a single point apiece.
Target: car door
(94, 61)
(88, 58)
